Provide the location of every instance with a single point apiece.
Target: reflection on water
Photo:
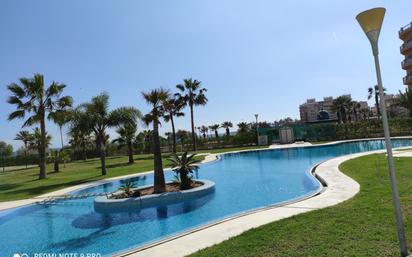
(98, 220)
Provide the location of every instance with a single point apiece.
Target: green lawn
(361, 226)
(21, 184)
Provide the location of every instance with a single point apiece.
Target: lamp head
(371, 23)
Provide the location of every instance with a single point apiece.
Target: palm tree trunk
(227, 132)
(377, 105)
(42, 149)
(25, 153)
(130, 147)
(159, 178)
(193, 128)
(61, 139)
(173, 133)
(216, 134)
(102, 157)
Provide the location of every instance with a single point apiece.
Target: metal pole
(395, 194)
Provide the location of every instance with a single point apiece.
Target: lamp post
(257, 129)
(371, 23)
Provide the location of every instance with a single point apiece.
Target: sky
(255, 57)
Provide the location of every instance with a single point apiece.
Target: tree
(405, 100)
(26, 138)
(173, 108)
(243, 127)
(37, 142)
(182, 135)
(192, 94)
(99, 118)
(155, 98)
(61, 115)
(184, 167)
(374, 92)
(356, 107)
(204, 130)
(5, 151)
(127, 127)
(31, 97)
(226, 125)
(341, 105)
(80, 130)
(215, 128)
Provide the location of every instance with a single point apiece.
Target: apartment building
(405, 34)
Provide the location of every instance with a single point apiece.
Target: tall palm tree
(127, 127)
(61, 115)
(173, 107)
(226, 125)
(26, 138)
(374, 92)
(79, 130)
(155, 98)
(356, 107)
(99, 120)
(215, 128)
(192, 95)
(31, 97)
(405, 100)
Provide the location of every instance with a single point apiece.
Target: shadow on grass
(42, 189)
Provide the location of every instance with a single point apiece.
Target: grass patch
(361, 226)
(21, 184)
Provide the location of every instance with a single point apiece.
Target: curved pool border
(336, 188)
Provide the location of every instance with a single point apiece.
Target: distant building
(405, 34)
(392, 107)
(313, 111)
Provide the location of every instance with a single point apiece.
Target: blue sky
(261, 56)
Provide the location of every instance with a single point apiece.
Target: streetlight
(257, 129)
(371, 23)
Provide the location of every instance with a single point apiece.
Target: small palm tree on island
(173, 108)
(184, 167)
(31, 97)
(226, 125)
(192, 94)
(155, 98)
(26, 137)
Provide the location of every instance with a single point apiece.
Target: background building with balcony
(321, 111)
(405, 34)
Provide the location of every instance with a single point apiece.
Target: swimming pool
(244, 181)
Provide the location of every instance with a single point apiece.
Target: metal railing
(405, 28)
(407, 79)
(406, 45)
(407, 61)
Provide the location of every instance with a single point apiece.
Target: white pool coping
(339, 188)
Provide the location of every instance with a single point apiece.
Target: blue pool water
(244, 181)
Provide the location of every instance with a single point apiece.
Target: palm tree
(243, 127)
(55, 158)
(184, 167)
(405, 100)
(215, 128)
(31, 96)
(173, 107)
(61, 115)
(204, 130)
(155, 98)
(79, 130)
(182, 135)
(374, 92)
(26, 138)
(226, 125)
(127, 127)
(341, 105)
(192, 94)
(37, 141)
(99, 119)
(356, 107)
